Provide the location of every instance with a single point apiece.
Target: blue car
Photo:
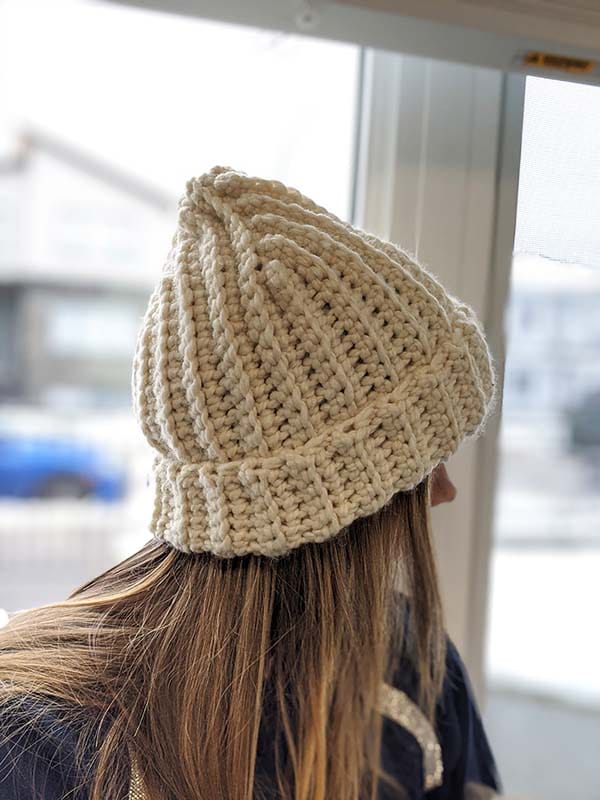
(45, 467)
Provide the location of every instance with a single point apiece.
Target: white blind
(559, 186)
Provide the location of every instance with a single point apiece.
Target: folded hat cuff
(271, 505)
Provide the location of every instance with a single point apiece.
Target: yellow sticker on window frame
(561, 63)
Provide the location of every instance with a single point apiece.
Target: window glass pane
(544, 654)
(93, 328)
(95, 149)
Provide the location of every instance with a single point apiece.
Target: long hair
(215, 675)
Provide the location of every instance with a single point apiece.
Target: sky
(166, 97)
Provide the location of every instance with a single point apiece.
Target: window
(96, 159)
(544, 655)
(90, 328)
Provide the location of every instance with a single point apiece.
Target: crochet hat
(293, 372)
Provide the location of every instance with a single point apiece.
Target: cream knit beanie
(293, 372)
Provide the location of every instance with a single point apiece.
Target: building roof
(31, 139)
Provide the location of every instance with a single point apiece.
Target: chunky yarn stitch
(293, 372)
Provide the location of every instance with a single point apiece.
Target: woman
(302, 384)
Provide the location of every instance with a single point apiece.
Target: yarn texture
(294, 372)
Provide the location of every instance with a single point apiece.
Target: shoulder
(467, 752)
(37, 752)
(451, 759)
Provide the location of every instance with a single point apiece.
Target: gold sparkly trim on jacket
(136, 787)
(394, 704)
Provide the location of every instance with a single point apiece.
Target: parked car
(47, 467)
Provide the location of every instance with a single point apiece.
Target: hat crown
(278, 332)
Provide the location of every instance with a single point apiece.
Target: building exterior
(553, 359)
(81, 244)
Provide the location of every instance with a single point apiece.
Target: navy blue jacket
(37, 753)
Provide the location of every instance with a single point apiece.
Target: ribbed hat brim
(269, 506)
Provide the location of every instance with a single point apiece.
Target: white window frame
(439, 137)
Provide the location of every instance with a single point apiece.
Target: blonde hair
(201, 668)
